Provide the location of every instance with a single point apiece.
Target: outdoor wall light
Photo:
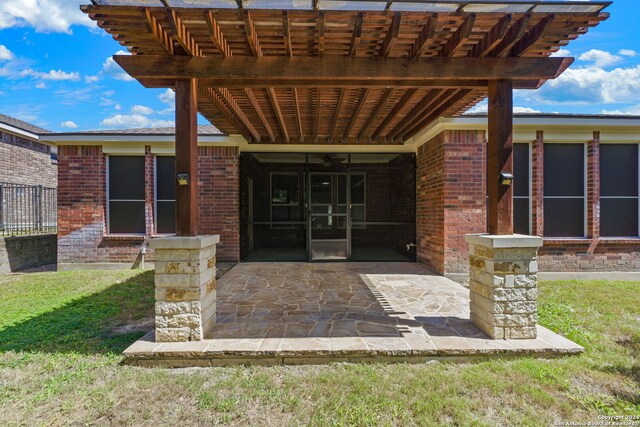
(506, 178)
(182, 179)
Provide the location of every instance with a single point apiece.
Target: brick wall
(450, 198)
(219, 181)
(23, 161)
(82, 236)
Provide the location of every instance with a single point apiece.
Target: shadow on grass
(101, 323)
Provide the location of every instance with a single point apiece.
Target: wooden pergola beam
(286, 33)
(424, 37)
(491, 38)
(376, 111)
(248, 92)
(500, 157)
(336, 117)
(233, 117)
(316, 122)
(216, 35)
(532, 36)
(391, 37)
(296, 107)
(320, 33)
(357, 35)
(400, 106)
(514, 34)
(417, 113)
(446, 102)
(362, 99)
(155, 28)
(181, 35)
(252, 37)
(459, 37)
(341, 69)
(273, 99)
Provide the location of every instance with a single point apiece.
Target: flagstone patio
(272, 313)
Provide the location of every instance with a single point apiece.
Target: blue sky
(56, 71)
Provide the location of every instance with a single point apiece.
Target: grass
(61, 335)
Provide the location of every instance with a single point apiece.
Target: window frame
(109, 199)
(155, 196)
(275, 225)
(637, 197)
(585, 189)
(530, 179)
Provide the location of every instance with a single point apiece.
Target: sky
(56, 72)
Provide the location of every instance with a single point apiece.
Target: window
(285, 199)
(564, 190)
(165, 193)
(358, 199)
(125, 195)
(521, 189)
(619, 190)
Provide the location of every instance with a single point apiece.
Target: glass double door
(329, 216)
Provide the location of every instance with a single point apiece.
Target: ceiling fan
(328, 161)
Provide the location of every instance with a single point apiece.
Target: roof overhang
(348, 72)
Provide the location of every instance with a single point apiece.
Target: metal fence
(27, 209)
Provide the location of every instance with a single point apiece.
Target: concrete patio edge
(295, 351)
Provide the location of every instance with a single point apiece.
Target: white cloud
(562, 52)
(5, 54)
(629, 111)
(111, 68)
(56, 75)
(41, 85)
(133, 121)
(69, 124)
(168, 97)
(600, 58)
(627, 52)
(141, 109)
(46, 16)
(525, 110)
(591, 85)
(91, 79)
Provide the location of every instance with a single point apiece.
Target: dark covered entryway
(327, 206)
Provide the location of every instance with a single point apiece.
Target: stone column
(185, 279)
(503, 284)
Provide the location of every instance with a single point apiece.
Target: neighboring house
(576, 184)
(23, 158)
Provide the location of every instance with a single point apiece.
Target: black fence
(27, 209)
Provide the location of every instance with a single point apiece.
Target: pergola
(342, 72)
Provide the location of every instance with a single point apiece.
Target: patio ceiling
(340, 72)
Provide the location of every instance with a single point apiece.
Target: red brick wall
(82, 236)
(219, 181)
(23, 161)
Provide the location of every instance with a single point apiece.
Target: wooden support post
(187, 157)
(500, 156)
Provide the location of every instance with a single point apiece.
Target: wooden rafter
(445, 103)
(252, 37)
(276, 110)
(418, 111)
(296, 107)
(491, 38)
(320, 33)
(362, 99)
(459, 37)
(235, 108)
(222, 106)
(216, 35)
(357, 35)
(316, 122)
(376, 111)
(248, 92)
(163, 37)
(532, 36)
(181, 35)
(336, 117)
(424, 37)
(391, 37)
(511, 38)
(400, 106)
(286, 33)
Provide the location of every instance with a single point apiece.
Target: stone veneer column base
(185, 279)
(503, 284)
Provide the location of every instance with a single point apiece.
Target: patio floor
(271, 313)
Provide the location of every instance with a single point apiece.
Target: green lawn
(61, 335)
